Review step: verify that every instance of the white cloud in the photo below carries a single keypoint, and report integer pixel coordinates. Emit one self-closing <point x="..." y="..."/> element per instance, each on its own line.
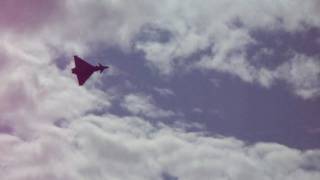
<point x="109" y="147"/>
<point x="223" y="29"/>
<point x="34" y="92"/>
<point x="199" y="25"/>
<point x="303" y="74"/>
<point x="139" y="104"/>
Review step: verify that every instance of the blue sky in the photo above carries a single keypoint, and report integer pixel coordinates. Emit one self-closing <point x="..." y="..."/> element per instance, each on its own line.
<point x="196" y="90"/>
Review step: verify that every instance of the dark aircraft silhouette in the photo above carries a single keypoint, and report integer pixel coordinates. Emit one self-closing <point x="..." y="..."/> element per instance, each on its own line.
<point x="84" y="70"/>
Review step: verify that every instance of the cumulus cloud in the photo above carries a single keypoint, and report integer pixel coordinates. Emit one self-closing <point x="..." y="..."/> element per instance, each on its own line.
<point x="110" y="147"/>
<point x="303" y="74"/>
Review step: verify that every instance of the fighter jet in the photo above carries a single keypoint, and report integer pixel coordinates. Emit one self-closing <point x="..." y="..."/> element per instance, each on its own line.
<point x="84" y="70"/>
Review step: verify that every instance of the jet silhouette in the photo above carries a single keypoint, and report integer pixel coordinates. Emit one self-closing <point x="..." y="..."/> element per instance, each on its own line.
<point x="84" y="70"/>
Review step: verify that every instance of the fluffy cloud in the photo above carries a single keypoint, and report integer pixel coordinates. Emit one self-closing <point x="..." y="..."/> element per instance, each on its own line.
<point x="120" y="148"/>
<point x="34" y="92"/>
<point x="303" y="73"/>
<point x="223" y="30"/>
<point x="224" y="25"/>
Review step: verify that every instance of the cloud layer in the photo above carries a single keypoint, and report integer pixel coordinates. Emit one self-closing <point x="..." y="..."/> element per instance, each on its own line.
<point x="109" y="147"/>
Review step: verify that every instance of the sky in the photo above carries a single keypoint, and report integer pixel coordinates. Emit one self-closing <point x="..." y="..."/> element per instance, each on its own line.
<point x="209" y="89"/>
